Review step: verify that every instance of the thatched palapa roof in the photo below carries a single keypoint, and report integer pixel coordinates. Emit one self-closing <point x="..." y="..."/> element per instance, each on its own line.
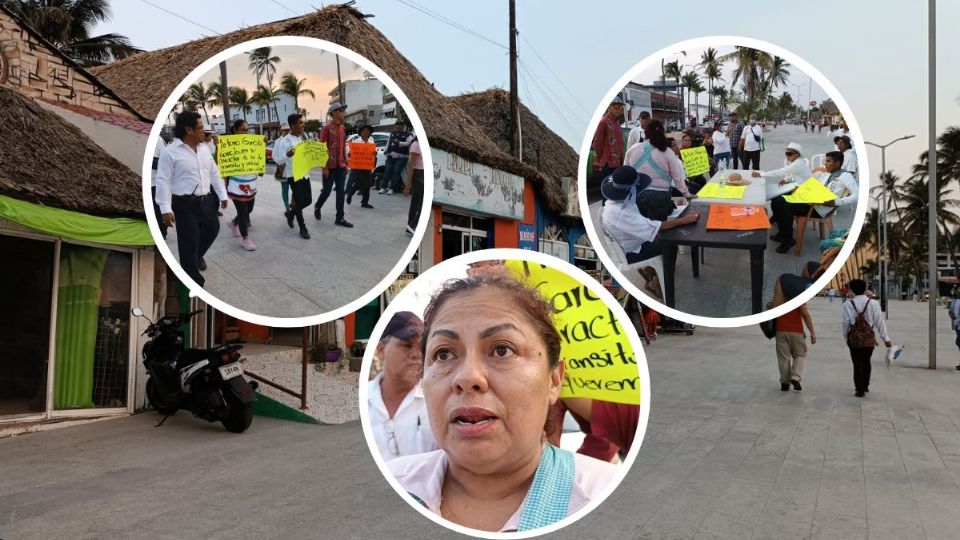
<point x="543" y="149"/>
<point x="145" y="80"/>
<point x="46" y="160"/>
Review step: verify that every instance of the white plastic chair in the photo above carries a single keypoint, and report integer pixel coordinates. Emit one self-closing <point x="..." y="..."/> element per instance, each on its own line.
<point x="620" y="258"/>
<point x="817" y="160"/>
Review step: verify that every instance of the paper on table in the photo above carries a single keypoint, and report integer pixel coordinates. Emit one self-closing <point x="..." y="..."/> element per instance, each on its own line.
<point x="810" y="192"/>
<point x="681" y="204"/>
<point x="737" y="218"/>
<point x="774" y="189"/>
<point x="713" y="190"/>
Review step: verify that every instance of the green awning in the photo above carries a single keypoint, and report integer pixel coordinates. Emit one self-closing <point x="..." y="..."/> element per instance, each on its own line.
<point x="76" y="225"/>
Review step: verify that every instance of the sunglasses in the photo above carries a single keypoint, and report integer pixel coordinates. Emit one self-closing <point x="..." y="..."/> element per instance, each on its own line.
<point x="789" y="153"/>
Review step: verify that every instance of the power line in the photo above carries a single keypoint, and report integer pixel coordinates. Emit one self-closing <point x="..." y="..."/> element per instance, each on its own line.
<point x="181" y="17"/>
<point x="284" y="7"/>
<point x="553" y="105"/>
<point x="548" y="88"/>
<point x="451" y="22"/>
<point x="555" y="76"/>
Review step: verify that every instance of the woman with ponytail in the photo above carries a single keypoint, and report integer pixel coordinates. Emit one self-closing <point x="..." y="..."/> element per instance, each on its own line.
<point x="656" y="159"/>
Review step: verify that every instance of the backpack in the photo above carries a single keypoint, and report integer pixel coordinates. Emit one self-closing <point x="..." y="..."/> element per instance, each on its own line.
<point x="861" y="334"/>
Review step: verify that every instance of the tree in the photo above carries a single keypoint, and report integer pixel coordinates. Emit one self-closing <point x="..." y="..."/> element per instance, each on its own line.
<point x="712" y="65"/>
<point x="294" y="87"/>
<point x="722" y="95"/>
<point x="264" y="96"/>
<point x="312" y="126"/>
<point x="673" y="71"/>
<point x="241" y="98"/>
<point x="697" y="88"/>
<point x="67" y="25"/>
<point x="263" y="64"/>
<point x="689" y="79"/>
<point x="752" y="66"/>
<point x="784" y="104"/>
<point x="200" y="94"/>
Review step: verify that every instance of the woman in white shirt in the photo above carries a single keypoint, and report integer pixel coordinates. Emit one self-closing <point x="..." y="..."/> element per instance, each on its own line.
<point x="491" y="372"/>
<point x="721" y="146"/>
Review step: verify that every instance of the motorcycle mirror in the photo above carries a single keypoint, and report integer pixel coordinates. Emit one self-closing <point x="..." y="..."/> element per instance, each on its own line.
<point x="137" y="312"/>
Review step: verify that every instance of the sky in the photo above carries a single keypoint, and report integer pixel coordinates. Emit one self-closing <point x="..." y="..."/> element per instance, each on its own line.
<point x="571" y="53"/>
<point x="318" y="67"/>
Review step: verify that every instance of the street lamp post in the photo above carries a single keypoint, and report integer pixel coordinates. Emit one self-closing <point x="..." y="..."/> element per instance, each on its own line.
<point x="798" y="86"/>
<point x="882" y="241"/>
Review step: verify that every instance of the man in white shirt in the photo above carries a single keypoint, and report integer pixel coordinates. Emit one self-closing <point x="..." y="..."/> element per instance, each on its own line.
<point x="398" y="410"/>
<point x="850" y="162"/>
<point x="635" y="233"/>
<point x="795" y="168"/>
<point x="860" y="353"/>
<point x="839" y="181"/>
<point x="637" y="134"/>
<point x="302" y="193"/>
<point x="750" y="145"/>
<point x="189" y="189"/>
<point x="157" y="150"/>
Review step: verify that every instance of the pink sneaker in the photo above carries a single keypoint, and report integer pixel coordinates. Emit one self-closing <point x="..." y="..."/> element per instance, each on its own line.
<point x="248" y="244"/>
<point x="234" y="228"/>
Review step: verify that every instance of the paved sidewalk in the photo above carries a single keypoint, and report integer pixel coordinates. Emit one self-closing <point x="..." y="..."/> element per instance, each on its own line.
<point x="288" y="276"/>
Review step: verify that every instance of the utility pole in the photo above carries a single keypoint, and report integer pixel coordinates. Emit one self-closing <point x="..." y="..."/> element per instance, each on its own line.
<point x="932" y="183"/>
<point x="224" y="98"/>
<point x="516" y="147"/>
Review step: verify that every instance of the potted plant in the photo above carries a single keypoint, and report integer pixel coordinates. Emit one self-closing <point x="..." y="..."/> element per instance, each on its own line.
<point x="357" y="348"/>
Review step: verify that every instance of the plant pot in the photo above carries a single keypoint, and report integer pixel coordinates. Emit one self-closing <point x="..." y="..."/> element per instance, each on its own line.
<point x="333" y="356"/>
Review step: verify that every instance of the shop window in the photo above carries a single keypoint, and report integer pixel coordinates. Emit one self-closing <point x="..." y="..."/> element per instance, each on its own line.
<point x="463" y="234"/>
<point x="585" y="257"/>
<point x="553" y="241"/>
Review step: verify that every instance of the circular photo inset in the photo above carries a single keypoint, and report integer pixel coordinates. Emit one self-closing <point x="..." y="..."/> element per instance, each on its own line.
<point x="295" y="193"/>
<point x="721" y="179"/>
<point x="507" y="393"/>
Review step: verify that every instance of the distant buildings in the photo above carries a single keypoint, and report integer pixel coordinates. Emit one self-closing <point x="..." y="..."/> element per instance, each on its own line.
<point x="368" y="101"/>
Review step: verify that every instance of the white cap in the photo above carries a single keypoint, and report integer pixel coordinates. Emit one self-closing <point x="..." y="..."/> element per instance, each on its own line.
<point x="795" y="147"/>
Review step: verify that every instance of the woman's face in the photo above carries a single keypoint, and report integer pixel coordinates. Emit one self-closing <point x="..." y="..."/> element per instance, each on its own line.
<point x="487" y="382"/>
<point x="686" y="142"/>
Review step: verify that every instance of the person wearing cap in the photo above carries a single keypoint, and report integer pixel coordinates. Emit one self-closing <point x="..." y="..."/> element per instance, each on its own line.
<point x="736" y="132"/>
<point x="636" y="134"/>
<point x="607" y="143"/>
<point x="839" y="181"/>
<point x="397" y="408"/>
<point x="398" y="152"/>
<point x="361" y="179"/>
<point x="283" y="151"/>
<point x="335" y="172"/>
<point x="621" y="218"/>
<point x="795" y="168"/>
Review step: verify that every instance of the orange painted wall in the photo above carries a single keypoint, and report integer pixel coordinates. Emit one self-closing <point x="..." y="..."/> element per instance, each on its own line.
<point x="252" y="332"/>
<point x="437" y="234"/>
<point x="349" y="328"/>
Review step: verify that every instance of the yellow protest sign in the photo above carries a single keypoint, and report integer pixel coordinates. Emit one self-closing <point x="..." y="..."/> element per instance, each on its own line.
<point x="695" y="160"/>
<point x="810" y="192"/>
<point x="306" y="156"/>
<point x="599" y="360"/>
<point x="363" y="156"/>
<point x="713" y="190"/>
<point x="241" y="154"/>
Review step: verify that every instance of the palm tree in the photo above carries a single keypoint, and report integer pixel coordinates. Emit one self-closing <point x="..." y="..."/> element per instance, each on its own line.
<point x="752" y="65"/>
<point x="712" y="65"/>
<point x="264" y="96"/>
<point x="777" y="73"/>
<point x="67" y="25"/>
<point x="697" y="88"/>
<point x="722" y="95"/>
<point x="201" y="95"/>
<point x="784" y="103"/>
<point x="241" y="98"/>
<point x="294" y="87"/>
<point x="914" y="196"/>
<point x="262" y="64"/>
<point x="689" y="79"/>
<point x="673" y="71"/>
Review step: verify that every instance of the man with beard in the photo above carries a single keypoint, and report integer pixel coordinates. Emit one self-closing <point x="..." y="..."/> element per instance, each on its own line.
<point x="398" y="410"/>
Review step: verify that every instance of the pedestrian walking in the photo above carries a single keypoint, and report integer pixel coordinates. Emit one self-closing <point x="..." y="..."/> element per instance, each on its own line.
<point x="157" y="150"/>
<point x="831" y="292"/>
<point x="736" y="132"/>
<point x="398" y="152"/>
<point x="792" y="346"/>
<point x="242" y="190"/>
<point x="189" y="193"/>
<point x="751" y="143"/>
<point x="861" y="322"/>
<point x="284" y="185"/>
<point x="335" y="171"/>
<point x="300" y="190"/>
<point x="361" y="179"/>
<point x="953" y="309"/>
<point x="414" y="186"/>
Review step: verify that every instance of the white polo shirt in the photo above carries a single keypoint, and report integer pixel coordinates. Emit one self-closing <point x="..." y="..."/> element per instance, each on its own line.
<point x="628" y="226"/>
<point x="409" y="425"/>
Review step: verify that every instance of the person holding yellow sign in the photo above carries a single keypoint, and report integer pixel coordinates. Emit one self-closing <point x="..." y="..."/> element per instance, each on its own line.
<point x="242" y="188"/>
<point x="839" y="182"/>
<point x="283" y="151"/>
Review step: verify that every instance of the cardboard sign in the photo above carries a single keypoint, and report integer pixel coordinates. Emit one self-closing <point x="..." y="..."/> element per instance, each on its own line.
<point x="363" y="156"/>
<point x="306" y="156"/>
<point x="737" y="218"/>
<point x="810" y="192"/>
<point x="695" y="160"/>
<point x="713" y="190"/>
<point x="241" y="154"/>
<point x="599" y="361"/>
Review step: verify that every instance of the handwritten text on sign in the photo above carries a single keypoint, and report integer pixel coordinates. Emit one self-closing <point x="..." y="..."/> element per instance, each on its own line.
<point x="597" y="355"/>
<point x="306" y="156"/>
<point x="810" y="192"/>
<point x="695" y="160"/>
<point x="241" y="154"/>
<point x="363" y="156"/>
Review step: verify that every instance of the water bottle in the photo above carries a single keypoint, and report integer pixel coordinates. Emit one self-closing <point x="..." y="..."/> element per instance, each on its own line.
<point x="722" y="173"/>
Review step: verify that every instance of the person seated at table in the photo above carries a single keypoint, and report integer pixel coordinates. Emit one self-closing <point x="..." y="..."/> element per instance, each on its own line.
<point x="655" y="159"/>
<point x="635" y="233"/>
<point x="696" y="182"/>
<point x="839" y="181"/>
<point x="491" y="372"/>
<point x="795" y="168"/>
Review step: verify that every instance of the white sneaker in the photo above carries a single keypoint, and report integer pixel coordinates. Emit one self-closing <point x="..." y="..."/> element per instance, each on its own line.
<point x="410" y="230"/>
<point x="382" y="191"/>
<point x="234" y="228"/>
<point x="389" y="192"/>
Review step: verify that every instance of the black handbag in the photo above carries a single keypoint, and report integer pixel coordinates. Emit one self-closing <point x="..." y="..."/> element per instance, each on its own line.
<point x="769" y="328"/>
